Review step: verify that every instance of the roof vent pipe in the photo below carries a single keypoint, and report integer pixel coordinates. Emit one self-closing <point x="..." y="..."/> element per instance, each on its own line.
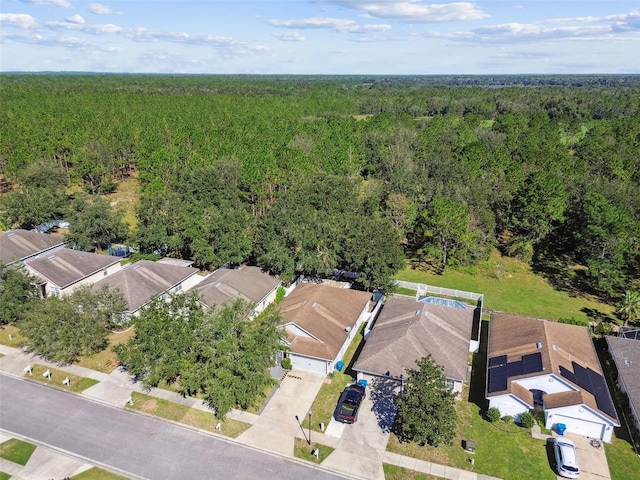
<point x="539" y="345"/>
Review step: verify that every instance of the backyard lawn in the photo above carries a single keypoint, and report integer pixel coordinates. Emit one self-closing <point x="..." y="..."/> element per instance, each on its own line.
<point x="510" y="286"/>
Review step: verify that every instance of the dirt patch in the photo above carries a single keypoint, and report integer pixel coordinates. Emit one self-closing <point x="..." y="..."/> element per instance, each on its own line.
<point x="149" y="406"/>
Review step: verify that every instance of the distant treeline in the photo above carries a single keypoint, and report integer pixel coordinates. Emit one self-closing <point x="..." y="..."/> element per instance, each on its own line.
<point x="308" y="174"/>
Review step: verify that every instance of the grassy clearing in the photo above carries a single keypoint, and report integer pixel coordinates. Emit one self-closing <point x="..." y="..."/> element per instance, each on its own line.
<point x="510" y="286"/>
<point x="16" y="451"/>
<point x="302" y="449"/>
<point x="11" y="337"/>
<point x="126" y="197"/>
<point x="186" y="415"/>
<point x="96" y="473"/>
<point x="77" y="384"/>
<point x="106" y="361"/>
<point x="394" y="472"/>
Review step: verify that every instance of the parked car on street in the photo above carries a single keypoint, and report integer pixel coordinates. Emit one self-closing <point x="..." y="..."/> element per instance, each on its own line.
<point x="349" y="403"/>
<point x="566" y="458"/>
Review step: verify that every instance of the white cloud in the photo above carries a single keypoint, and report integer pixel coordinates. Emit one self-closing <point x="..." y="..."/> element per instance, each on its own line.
<point x="20" y="20"/>
<point x="76" y="19"/>
<point x="100" y="9"/>
<point x="289" y="37"/>
<point x="94" y="28"/>
<point x="336" y="24"/>
<point x="56" y="3"/>
<point x="415" y="11"/>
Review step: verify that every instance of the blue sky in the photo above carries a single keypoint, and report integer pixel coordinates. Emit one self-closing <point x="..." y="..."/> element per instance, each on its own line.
<point x="400" y="37"/>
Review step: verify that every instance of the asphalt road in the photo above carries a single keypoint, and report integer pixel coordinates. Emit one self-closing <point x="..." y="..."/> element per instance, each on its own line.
<point x="134" y="443"/>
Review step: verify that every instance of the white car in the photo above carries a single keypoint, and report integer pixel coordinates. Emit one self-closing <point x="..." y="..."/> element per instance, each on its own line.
<point x="566" y="458"/>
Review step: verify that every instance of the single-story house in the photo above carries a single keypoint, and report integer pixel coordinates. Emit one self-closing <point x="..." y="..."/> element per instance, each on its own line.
<point x="249" y="283"/>
<point x="320" y="320"/>
<point x="144" y="280"/>
<point x="63" y="270"/>
<point x="626" y="356"/>
<point x="535" y="364"/>
<point x="407" y="330"/>
<point x="19" y="245"/>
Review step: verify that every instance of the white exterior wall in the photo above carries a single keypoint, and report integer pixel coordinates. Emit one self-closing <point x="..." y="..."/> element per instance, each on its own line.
<point x="53" y="289"/>
<point x="191" y="282"/>
<point x="265" y="302"/>
<point x="580" y="420"/>
<point x="509" y="405"/>
<point x="547" y="383"/>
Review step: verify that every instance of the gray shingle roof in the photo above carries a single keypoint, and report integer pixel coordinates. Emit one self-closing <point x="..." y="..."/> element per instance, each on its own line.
<point x="16" y="245"/>
<point x="143" y="280"/>
<point x="65" y="267"/>
<point x="324" y="312"/>
<point x="626" y="355"/>
<point x="406" y="331"/>
<point x="248" y="283"/>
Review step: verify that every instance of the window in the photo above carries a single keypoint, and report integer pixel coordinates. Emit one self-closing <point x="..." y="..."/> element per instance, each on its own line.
<point x="178" y="288"/>
<point x="450" y="384"/>
<point x="104" y="272"/>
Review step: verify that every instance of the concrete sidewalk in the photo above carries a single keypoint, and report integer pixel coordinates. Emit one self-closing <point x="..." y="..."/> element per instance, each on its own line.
<point x="356" y="454"/>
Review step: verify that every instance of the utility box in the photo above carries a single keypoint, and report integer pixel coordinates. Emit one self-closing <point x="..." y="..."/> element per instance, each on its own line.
<point x="469" y="445"/>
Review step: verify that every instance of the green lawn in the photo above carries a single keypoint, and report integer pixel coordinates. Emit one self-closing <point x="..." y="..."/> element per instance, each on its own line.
<point x="183" y="414"/>
<point x="106" y="361"/>
<point x="623" y="461"/>
<point x="393" y="472"/>
<point x="16" y="451"/>
<point x="10" y="336"/>
<point x="96" y="473"/>
<point x="303" y="450"/>
<point x="4" y="476"/>
<point x="77" y="384"/>
<point x="510" y="286"/>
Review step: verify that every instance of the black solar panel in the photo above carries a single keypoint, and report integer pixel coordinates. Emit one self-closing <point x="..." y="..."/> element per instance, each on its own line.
<point x="532" y="362"/>
<point x="495" y="361"/>
<point x="515" y="368"/>
<point x="497" y="379"/>
<point x="594" y="383"/>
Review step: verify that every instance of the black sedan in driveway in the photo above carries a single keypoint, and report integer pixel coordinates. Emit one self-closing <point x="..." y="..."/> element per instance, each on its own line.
<point x="349" y="403"/>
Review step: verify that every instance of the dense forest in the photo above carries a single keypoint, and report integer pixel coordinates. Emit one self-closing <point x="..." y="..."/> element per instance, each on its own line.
<point x="360" y="174"/>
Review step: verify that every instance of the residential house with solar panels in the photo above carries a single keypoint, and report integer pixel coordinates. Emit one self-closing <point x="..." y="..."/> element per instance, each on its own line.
<point x="535" y="364"/>
<point x="18" y="245"/>
<point x="408" y="329"/>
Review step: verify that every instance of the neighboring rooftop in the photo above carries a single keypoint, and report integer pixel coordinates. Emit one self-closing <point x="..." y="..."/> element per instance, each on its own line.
<point x="178" y="262"/>
<point x="64" y="266"/>
<point x="407" y="330"/>
<point x="225" y="284"/>
<point x="626" y="355"/>
<point x="317" y="317"/>
<point x="17" y="245"/>
<point x="521" y="347"/>
<point x="143" y="280"/>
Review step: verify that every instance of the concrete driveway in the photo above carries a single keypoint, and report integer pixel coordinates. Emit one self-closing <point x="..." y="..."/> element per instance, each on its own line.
<point x="592" y="459"/>
<point x="361" y="446"/>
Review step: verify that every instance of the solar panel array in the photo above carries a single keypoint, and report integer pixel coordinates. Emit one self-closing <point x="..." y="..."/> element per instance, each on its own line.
<point x="500" y="370"/>
<point x="592" y="382"/>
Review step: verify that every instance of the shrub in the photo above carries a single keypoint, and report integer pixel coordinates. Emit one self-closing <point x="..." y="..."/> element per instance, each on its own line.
<point x="507" y="419"/>
<point x="527" y="420"/>
<point x="280" y="293"/>
<point x="493" y="414"/>
<point x="286" y="363"/>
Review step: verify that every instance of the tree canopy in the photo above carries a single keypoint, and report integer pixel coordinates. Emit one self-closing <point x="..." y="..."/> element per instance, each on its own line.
<point x="218" y="354"/>
<point x="426" y="409"/>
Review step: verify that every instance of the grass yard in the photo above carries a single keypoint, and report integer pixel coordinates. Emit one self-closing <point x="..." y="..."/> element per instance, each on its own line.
<point x="77" y="384"/>
<point x="4" y="476"/>
<point x="394" y="472"/>
<point x="510" y="286"/>
<point x="16" y="451"/>
<point x="302" y="449"/>
<point x="623" y="461"/>
<point x="11" y="337"/>
<point x="126" y="198"/>
<point x="187" y="415"/>
<point x="96" y="473"/>
<point x="106" y="361"/>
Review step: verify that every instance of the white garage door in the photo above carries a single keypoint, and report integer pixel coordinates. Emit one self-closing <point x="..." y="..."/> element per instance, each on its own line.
<point x="310" y="364"/>
<point x="581" y="427"/>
